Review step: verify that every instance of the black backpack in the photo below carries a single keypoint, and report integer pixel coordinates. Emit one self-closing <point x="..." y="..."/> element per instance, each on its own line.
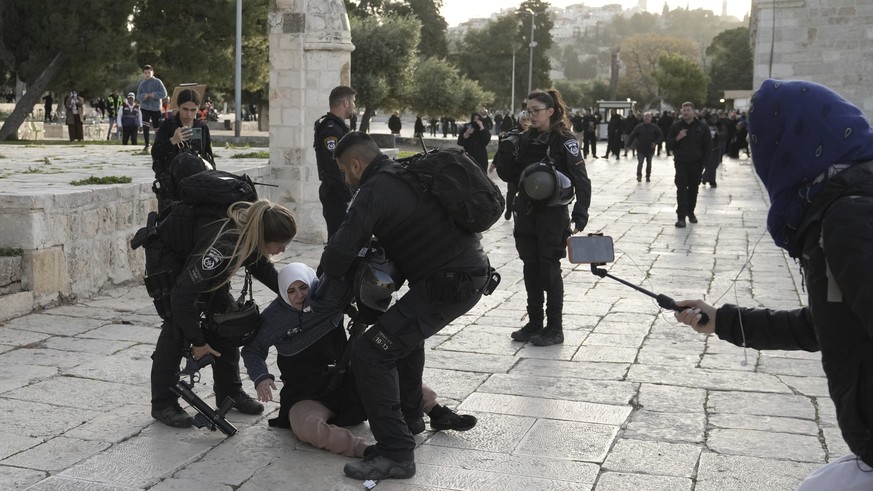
<point x="216" y="189"/>
<point x="469" y="196"/>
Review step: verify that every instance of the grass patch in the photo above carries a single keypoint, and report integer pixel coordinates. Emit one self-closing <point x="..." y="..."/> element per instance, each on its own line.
<point x="231" y="146"/>
<point x="102" y="180"/>
<point x="257" y="154"/>
<point x="32" y="170"/>
<point x="10" y="251"/>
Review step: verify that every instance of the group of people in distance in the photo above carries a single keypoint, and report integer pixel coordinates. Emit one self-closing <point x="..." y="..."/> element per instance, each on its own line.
<point x="811" y="148"/>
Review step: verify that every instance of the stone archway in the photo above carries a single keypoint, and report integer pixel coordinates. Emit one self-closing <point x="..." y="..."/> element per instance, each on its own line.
<point x="310" y="54"/>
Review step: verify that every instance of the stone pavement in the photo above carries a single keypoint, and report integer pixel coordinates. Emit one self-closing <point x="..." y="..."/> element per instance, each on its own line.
<point x="630" y="401"/>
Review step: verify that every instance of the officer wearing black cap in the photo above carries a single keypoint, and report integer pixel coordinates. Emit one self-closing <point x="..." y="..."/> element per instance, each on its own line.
<point x="329" y="129"/>
<point x="447" y="272"/>
<point x="546" y="163"/>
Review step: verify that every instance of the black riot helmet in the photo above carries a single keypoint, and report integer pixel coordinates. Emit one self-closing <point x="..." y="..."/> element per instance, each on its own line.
<point x="375" y="280"/>
<point x="545" y="185"/>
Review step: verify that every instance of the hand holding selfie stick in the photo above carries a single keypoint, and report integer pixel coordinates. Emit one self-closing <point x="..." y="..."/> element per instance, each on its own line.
<point x="664" y="301"/>
<point x="597" y="249"/>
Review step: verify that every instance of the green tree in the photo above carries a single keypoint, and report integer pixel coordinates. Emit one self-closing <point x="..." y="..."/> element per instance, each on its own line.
<point x="680" y="80"/>
<point x="640" y="56"/>
<point x="731" y="62"/>
<point x="578" y="94"/>
<point x="433" y="40"/>
<point x="485" y="55"/>
<point x="196" y="42"/>
<point x="440" y="89"/>
<point x="383" y="62"/>
<point x="61" y="46"/>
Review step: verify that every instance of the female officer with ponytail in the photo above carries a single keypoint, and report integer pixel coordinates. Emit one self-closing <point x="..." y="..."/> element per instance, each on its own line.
<point x="546" y="163"/>
<point x="204" y="252"/>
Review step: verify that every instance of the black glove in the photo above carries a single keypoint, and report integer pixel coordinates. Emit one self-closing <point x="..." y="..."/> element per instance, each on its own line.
<point x="579" y="223"/>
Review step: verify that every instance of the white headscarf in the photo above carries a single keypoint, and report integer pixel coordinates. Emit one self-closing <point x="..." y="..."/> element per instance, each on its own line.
<point x="291" y="273"/>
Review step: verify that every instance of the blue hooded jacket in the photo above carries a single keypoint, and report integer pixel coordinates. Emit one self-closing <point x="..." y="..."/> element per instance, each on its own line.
<point x="802" y="133"/>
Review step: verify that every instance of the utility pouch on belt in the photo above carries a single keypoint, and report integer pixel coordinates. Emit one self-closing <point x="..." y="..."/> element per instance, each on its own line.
<point x="159" y="285"/>
<point x="459" y="286"/>
<point x="241" y="323"/>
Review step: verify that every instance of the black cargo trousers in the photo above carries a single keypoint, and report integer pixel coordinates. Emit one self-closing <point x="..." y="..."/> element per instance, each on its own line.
<point x="389" y="361"/>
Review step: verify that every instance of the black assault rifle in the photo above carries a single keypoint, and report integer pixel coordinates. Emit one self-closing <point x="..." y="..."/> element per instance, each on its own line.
<point x="206" y="416"/>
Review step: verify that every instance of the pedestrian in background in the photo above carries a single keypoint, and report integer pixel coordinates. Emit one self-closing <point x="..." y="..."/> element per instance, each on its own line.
<point x="474" y="140"/>
<point x="75" y="105"/>
<point x="691" y="144"/>
<point x="129" y="119"/>
<point x="113" y="103"/>
<point x="150" y="93"/>
<point x="644" y="138"/>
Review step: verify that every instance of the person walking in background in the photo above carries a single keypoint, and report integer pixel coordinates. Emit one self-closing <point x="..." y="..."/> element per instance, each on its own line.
<point x="717" y="132"/>
<point x="691" y="144"/>
<point x="129" y="119"/>
<point x="150" y="93"/>
<point x="628" y="125"/>
<point x="113" y="102"/>
<point x="665" y="122"/>
<point x="644" y="138"/>
<point x="474" y="140"/>
<point x="394" y="123"/>
<point x="48" y="100"/>
<point x="590" y="125"/>
<point x="75" y="105"/>
<point x="419" y="126"/>
<point x="613" y="141"/>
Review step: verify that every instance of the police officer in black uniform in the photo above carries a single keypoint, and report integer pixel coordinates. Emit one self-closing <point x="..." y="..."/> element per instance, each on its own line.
<point x="201" y="253"/>
<point x="691" y="144"/>
<point x="542" y="224"/>
<point x="447" y="271"/>
<point x="329" y="129"/>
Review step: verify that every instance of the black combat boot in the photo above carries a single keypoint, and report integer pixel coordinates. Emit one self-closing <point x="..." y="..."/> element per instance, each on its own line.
<point x="552" y="334"/>
<point x="530" y="329"/>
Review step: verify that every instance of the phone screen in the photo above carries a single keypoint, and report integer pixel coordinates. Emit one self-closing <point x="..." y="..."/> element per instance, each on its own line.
<point x="597" y="249"/>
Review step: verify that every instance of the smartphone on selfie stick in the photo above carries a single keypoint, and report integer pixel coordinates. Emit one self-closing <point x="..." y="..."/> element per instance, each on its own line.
<point x="597" y="250"/>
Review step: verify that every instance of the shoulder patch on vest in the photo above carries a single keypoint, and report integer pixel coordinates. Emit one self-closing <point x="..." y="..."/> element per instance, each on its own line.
<point x="572" y="146"/>
<point x="211" y="259"/>
<point x="330" y="143"/>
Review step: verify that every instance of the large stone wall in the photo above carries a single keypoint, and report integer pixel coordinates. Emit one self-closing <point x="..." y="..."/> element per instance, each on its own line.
<point x="825" y="41"/>
<point x="76" y="242"/>
<point x="310" y="46"/>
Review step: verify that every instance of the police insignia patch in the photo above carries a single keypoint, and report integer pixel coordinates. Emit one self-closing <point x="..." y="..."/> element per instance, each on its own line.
<point x="330" y="143"/>
<point x="572" y="147"/>
<point x="211" y="260"/>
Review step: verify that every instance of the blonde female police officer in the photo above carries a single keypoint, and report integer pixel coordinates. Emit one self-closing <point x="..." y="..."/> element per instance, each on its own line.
<point x="547" y="150"/>
<point x="204" y="254"/>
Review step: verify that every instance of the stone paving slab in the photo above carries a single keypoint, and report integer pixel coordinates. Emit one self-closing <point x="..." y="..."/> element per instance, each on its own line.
<point x="631" y="401"/>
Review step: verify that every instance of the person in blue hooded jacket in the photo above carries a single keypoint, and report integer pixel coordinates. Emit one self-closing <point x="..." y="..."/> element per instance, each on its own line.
<point x="308" y="344"/>
<point x="813" y="150"/>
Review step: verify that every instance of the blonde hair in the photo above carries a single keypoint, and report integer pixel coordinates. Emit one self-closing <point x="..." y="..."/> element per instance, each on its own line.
<point x="254" y="225"/>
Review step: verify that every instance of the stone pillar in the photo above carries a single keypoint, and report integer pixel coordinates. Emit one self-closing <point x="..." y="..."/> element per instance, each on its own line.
<point x="310" y="54"/>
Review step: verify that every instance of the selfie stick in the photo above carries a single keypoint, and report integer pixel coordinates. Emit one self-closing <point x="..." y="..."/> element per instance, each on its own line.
<point x="664" y="301"/>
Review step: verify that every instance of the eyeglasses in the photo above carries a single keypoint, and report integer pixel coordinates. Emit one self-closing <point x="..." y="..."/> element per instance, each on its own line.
<point x="533" y="111"/>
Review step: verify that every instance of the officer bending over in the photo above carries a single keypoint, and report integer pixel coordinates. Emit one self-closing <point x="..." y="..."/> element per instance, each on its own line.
<point x="447" y="271"/>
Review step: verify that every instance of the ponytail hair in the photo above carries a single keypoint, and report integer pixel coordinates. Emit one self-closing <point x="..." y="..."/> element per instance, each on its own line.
<point x="560" y="122"/>
<point x="254" y="225"/>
